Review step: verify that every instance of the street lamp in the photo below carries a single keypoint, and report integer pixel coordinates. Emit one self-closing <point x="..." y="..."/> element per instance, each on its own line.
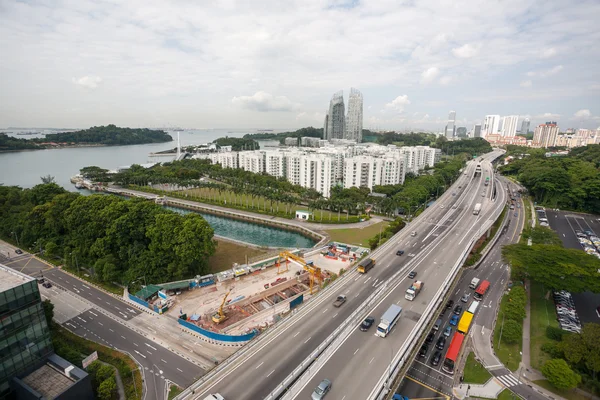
<point x="76" y="262"/>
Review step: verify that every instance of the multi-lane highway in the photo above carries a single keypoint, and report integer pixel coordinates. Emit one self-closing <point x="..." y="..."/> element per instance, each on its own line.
<point x="263" y="368"/>
<point x="358" y="365"/>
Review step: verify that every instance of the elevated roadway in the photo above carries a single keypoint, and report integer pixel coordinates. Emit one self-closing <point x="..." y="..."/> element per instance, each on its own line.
<point x="278" y="353"/>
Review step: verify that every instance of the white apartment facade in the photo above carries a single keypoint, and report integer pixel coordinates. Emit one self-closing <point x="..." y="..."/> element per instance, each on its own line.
<point x="253" y="161"/>
<point x="227" y="160"/>
<point x="490" y="125"/>
<point x="545" y="135"/>
<point x="509" y="125"/>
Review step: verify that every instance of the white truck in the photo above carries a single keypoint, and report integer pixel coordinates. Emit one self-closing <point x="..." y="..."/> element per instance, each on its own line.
<point x="215" y="396"/>
<point x="477" y="209"/>
<point x="413" y="290"/>
<point x="474" y="283"/>
<point x="388" y="320"/>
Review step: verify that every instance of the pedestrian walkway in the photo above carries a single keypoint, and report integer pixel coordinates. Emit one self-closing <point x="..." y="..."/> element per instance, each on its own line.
<point x="509" y="380"/>
<point x="490" y="390"/>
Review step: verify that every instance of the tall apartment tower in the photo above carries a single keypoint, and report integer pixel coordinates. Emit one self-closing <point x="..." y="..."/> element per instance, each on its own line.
<point x="477" y="130"/>
<point x="525" y="126"/>
<point x="336" y="117"/>
<point x="354" y="119"/>
<point x="490" y="125"/>
<point x="450" y="126"/>
<point x="509" y="125"/>
<point x="545" y="135"/>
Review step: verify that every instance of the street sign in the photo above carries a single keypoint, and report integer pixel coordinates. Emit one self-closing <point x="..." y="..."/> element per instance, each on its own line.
<point x="89" y="359"/>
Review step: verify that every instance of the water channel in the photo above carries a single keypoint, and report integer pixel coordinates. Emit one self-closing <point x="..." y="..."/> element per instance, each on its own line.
<point x="26" y="167"/>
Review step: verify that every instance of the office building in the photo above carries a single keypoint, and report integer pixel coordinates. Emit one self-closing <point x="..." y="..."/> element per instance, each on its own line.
<point x="336" y="118"/>
<point x="509" y="125"/>
<point x="354" y="119"/>
<point x="490" y="125"/>
<point x="28" y="367"/>
<point x="477" y="130"/>
<point x="545" y="135"/>
<point x="450" y="126"/>
<point x="525" y="126"/>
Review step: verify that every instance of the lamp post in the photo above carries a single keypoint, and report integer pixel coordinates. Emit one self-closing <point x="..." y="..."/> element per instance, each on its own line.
<point x="76" y="262"/>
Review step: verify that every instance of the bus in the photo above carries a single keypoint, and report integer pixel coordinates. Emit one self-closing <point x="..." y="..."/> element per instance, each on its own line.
<point x="481" y="290"/>
<point x="465" y="323"/>
<point x="365" y="265"/>
<point x="452" y="353"/>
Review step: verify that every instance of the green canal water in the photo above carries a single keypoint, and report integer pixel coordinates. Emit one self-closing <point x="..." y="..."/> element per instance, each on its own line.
<point x="249" y="232"/>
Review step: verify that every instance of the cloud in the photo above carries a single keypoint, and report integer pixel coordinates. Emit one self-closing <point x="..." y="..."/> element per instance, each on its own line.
<point x="91" y="82"/>
<point x="548" y="53"/>
<point x="445" y="80"/>
<point x="546" y="73"/>
<point x="397" y="105"/>
<point x="465" y="51"/>
<point x="547" y="116"/>
<point x="429" y="74"/>
<point x="264" y="102"/>
<point x="583" y="114"/>
<point x="526" y="84"/>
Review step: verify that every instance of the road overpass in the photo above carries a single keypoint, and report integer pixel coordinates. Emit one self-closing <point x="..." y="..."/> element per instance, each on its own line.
<point x="443" y="231"/>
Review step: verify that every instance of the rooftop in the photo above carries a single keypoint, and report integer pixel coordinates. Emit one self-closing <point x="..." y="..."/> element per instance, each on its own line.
<point x="10" y="278"/>
<point x="48" y="381"/>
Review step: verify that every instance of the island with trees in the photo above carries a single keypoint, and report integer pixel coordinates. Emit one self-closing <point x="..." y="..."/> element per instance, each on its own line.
<point x="109" y="135"/>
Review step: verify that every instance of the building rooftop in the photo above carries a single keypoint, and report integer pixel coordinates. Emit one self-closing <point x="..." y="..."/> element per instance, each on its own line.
<point x="48" y="381"/>
<point x="10" y="278"/>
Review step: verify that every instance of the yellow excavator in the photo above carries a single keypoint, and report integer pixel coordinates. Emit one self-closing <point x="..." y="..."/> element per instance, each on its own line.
<point x="314" y="271"/>
<point x="220" y="316"/>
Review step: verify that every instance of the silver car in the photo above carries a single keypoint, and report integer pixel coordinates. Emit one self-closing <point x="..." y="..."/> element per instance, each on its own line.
<point x="321" y="390"/>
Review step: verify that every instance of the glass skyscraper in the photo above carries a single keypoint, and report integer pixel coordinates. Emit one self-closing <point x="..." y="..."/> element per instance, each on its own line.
<point x="24" y="334"/>
<point x="336" y="118"/>
<point x="354" y="119"/>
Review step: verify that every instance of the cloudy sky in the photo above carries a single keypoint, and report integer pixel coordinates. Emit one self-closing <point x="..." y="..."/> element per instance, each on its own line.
<point x="275" y="64"/>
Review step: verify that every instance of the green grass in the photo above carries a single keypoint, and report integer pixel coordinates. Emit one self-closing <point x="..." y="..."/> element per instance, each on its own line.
<point x="509" y="354"/>
<point x="507" y="395"/>
<point x="474" y="372"/>
<point x="357" y="236"/>
<point x="174" y="391"/>
<point x="542" y="315"/>
<point x="228" y="253"/>
<point x="567" y="394"/>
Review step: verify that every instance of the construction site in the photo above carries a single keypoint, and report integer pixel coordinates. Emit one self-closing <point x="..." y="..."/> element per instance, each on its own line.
<point x="261" y="296"/>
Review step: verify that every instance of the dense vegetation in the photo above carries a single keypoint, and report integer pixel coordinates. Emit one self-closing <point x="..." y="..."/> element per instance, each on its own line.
<point x="568" y="182"/>
<point x="302" y="132"/>
<point x="109" y="135"/>
<point x="118" y="240"/>
<point x="238" y="144"/>
<point x="8" y="143"/>
<point x="408" y="139"/>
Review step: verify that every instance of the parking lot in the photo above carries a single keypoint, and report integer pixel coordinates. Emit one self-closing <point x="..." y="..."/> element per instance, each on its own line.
<point x="566" y="223"/>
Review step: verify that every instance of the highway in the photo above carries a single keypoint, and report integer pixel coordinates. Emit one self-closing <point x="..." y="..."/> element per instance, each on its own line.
<point x="358" y="365"/>
<point x="278" y="355"/>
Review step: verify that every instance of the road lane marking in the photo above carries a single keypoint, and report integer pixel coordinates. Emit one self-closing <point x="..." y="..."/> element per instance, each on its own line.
<point x="270" y="373"/>
<point x="371" y="360"/>
<point x="356" y="351"/>
<point x="163" y="360"/>
<point x="153" y="348"/>
<point x="140" y="353"/>
<point x="259" y="365"/>
<point x="94" y="314"/>
<point x="125" y="315"/>
<point x="110" y="330"/>
<point x="117" y="308"/>
<point x="179" y="370"/>
<point x="131" y="311"/>
<point x="324" y="311"/>
<point x="106" y="302"/>
<point x="148" y="351"/>
<point x="82" y="319"/>
<point x="335" y="315"/>
<point x="123" y="337"/>
<point x="87" y="287"/>
<point x="297" y="333"/>
<point x="100" y="323"/>
<point x="136" y="345"/>
<point x="306" y="341"/>
<point x="68" y="323"/>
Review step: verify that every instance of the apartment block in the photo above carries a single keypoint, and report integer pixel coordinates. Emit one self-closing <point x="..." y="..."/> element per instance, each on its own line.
<point x="253" y="161"/>
<point x="227" y="160"/>
<point x="545" y="135"/>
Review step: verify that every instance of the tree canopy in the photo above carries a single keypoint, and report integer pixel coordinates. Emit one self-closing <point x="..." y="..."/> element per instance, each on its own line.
<point x="9" y="143"/>
<point x="109" y="135"/>
<point x="237" y="144"/>
<point x="302" y="132"/>
<point x="119" y="240"/>
<point x="559" y="374"/>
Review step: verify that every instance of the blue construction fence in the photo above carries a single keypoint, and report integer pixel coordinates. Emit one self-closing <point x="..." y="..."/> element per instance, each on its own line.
<point x="217" y="336"/>
<point x="296" y="302"/>
<point x="155" y="308"/>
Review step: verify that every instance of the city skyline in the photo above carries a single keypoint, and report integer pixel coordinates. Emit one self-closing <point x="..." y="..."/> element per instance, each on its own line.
<point x="181" y="64"/>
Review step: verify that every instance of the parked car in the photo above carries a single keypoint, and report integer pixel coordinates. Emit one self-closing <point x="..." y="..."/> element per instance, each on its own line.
<point x="448" y="331"/>
<point x="437" y="356"/>
<point x="449" y="304"/>
<point x="430" y="337"/>
<point x="367" y="323"/>
<point x="465" y="297"/>
<point x="441" y="343"/>
<point x="321" y="390"/>
<point x="423" y="351"/>
<point x="47" y="285"/>
<point x="458" y="309"/>
<point x="18" y="251"/>
<point x="454" y="320"/>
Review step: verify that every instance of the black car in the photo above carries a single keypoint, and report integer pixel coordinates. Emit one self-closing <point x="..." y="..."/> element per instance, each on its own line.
<point x="441" y="343"/>
<point x="412" y="274"/>
<point x="47" y="285"/>
<point x="399" y="252"/>
<point x="18" y="251"/>
<point x="449" y="304"/>
<point x="423" y="351"/>
<point x="442" y="313"/>
<point x="430" y="337"/>
<point x="367" y="323"/>
<point x="458" y="309"/>
<point x="437" y="356"/>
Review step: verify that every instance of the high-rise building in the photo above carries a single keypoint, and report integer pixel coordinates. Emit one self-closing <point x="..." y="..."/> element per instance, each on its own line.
<point x="336" y="117"/>
<point x="461" y="131"/>
<point x="450" y="126"/>
<point x="509" y="125"/>
<point x="545" y="135"/>
<point x="477" y="130"/>
<point x="354" y="119"/>
<point x="490" y="125"/>
<point x="325" y="123"/>
<point x="525" y="126"/>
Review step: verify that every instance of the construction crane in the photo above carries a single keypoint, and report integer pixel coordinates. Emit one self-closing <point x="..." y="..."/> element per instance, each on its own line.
<point x="315" y="272"/>
<point x="220" y="316"/>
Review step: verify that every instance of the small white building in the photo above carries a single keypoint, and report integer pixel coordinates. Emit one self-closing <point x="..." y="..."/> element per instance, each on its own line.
<point x="303" y="215"/>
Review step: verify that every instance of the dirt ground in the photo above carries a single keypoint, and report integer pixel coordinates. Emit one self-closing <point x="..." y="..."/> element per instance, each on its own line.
<point x="228" y="253"/>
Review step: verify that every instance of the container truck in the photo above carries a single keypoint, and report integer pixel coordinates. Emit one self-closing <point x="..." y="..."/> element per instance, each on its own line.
<point x="477" y="209"/>
<point x="388" y="320"/>
<point x="413" y="290"/>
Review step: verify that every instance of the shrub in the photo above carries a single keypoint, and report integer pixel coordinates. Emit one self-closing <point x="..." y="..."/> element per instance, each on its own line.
<point x="512" y="332"/>
<point x="560" y="375"/>
<point x="554" y="333"/>
<point x="553" y="349"/>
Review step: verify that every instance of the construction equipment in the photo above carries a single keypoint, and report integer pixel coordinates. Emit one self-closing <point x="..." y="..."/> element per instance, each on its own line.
<point x="220" y="316"/>
<point x="314" y="271"/>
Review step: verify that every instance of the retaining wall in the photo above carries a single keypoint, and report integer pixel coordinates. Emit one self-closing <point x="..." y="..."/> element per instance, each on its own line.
<point x="219" y="337"/>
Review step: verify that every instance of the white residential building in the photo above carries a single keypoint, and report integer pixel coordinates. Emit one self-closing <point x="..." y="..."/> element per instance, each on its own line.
<point x="545" y="135"/>
<point x="490" y="125"/>
<point x="227" y="160"/>
<point x="275" y="163"/>
<point x="419" y="157"/>
<point x="509" y="125"/>
<point x="253" y="161"/>
<point x="316" y="172"/>
<point x="292" y="167"/>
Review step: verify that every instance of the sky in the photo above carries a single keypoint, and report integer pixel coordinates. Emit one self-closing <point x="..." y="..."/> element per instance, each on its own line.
<point x="265" y="64"/>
